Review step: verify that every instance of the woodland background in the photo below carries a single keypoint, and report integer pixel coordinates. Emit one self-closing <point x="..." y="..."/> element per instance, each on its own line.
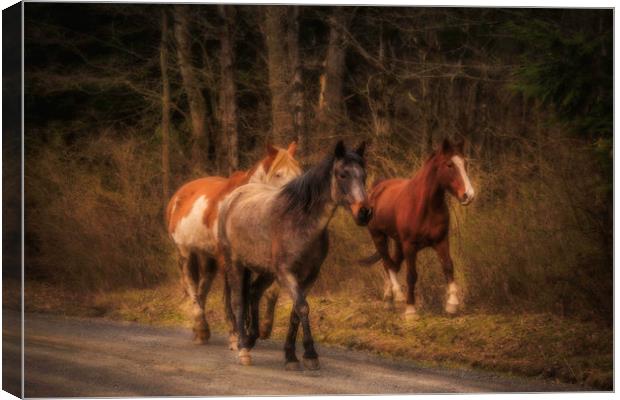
<point x="124" y="103"/>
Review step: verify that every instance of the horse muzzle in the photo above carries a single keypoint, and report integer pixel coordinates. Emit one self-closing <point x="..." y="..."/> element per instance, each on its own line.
<point x="467" y="198"/>
<point x="361" y="213"/>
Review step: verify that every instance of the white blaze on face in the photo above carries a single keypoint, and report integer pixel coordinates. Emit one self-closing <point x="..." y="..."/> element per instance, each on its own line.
<point x="358" y="190"/>
<point x="281" y="177"/>
<point x="460" y="165"/>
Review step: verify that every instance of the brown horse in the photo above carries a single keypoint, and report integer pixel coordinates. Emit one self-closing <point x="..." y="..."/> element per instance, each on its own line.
<point x="192" y="215"/>
<point x="414" y="214"/>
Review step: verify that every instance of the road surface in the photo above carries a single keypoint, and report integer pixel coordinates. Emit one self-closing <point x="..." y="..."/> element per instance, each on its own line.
<point x="96" y="357"/>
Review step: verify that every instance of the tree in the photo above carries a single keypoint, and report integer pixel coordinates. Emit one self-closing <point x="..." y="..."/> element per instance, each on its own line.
<point x="330" y="106"/>
<point x="298" y="96"/>
<point x="227" y="99"/>
<point x="274" y="29"/>
<point x="165" y="107"/>
<point x="195" y="99"/>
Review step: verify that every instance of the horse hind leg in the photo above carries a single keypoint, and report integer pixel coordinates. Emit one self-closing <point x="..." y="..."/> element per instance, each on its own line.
<point x="190" y="270"/>
<point x="396" y="262"/>
<point x="271" y="298"/>
<point x="207" y="273"/>
<point x="257" y="288"/>
<point x="412" y="277"/>
<point x="392" y="289"/>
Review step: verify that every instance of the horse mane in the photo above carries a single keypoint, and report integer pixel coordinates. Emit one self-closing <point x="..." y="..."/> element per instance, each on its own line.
<point x="424" y="182"/>
<point x="306" y="193"/>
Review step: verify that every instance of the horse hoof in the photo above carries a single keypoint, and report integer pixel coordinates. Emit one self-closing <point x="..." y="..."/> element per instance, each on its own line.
<point x="399" y="297"/>
<point x="451" y="308"/>
<point x="265" y="332"/>
<point x="202" y="337"/>
<point x="292" y="366"/>
<point x="233" y="343"/>
<point x="411" y="314"/>
<point x="244" y="357"/>
<point x="312" y="364"/>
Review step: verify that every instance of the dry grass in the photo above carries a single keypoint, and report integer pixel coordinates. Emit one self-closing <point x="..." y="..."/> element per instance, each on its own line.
<point x="535" y="239"/>
<point x="536" y="345"/>
<point x="532" y="254"/>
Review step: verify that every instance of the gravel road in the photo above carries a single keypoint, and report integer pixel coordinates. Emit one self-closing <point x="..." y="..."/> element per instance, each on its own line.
<point x="96" y="357"/>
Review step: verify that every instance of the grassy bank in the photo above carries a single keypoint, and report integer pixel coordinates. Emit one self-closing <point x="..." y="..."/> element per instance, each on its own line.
<point x="537" y="345"/>
<point x="535" y="240"/>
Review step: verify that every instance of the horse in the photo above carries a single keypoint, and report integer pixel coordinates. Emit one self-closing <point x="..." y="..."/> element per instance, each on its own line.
<point x="414" y="214"/>
<point x="281" y="233"/>
<point x="191" y="219"/>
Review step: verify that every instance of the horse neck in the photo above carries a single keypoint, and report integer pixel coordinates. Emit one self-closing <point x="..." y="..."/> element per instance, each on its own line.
<point x="424" y="189"/>
<point x="239" y="178"/>
<point x="310" y="198"/>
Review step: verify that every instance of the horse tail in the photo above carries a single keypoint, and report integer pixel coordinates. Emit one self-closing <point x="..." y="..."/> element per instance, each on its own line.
<point x="368" y="261"/>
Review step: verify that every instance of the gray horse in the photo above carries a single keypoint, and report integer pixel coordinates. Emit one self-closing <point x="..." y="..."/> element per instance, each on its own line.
<point x="281" y="233"/>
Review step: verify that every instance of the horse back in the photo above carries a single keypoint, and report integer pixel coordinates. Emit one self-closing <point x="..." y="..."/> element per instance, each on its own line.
<point x="210" y="189"/>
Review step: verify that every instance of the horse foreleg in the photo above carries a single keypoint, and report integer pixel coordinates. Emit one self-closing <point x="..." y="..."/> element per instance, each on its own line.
<point x="292" y="363"/>
<point x="302" y="310"/>
<point x="443" y="251"/>
<point x="412" y="277"/>
<point x="238" y="278"/>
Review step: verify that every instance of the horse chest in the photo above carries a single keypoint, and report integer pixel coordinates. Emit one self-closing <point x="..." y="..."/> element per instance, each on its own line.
<point x="424" y="231"/>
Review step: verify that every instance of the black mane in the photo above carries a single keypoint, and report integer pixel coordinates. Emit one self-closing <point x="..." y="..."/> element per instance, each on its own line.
<point x="308" y="193"/>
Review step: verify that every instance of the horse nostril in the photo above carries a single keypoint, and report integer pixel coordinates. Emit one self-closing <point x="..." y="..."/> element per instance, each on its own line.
<point x="365" y="214"/>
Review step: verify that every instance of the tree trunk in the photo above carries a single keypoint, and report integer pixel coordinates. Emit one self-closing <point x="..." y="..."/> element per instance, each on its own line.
<point x="381" y="109"/>
<point x="228" y="102"/>
<point x="282" y="125"/>
<point x="331" y="108"/>
<point x="191" y="86"/>
<point x="298" y="97"/>
<point x="165" y="108"/>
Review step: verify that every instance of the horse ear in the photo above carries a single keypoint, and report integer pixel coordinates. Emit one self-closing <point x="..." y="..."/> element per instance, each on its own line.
<point x="271" y="151"/>
<point x="446" y="147"/>
<point x="361" y="148"/>
<point x="460" y="145"/>
<point x="292" y="148"/>
<point x="340" y="150"/>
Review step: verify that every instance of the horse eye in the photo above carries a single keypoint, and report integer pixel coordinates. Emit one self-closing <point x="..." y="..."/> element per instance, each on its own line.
<point x="450" y="164"/>
<point x="342" y="175"/>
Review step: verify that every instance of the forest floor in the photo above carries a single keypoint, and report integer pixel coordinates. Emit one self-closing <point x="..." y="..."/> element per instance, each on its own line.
<point x="533" y="345"/>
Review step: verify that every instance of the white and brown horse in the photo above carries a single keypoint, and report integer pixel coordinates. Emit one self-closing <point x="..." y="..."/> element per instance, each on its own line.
<point x="282" y="234"/>
<point x="191" y="217"/>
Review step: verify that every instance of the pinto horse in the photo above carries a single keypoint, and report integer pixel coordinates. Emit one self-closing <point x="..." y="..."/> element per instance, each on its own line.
<point x="414" y="214"/>
<point x="282" y="234"/>
<point x="191" y="218"/>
